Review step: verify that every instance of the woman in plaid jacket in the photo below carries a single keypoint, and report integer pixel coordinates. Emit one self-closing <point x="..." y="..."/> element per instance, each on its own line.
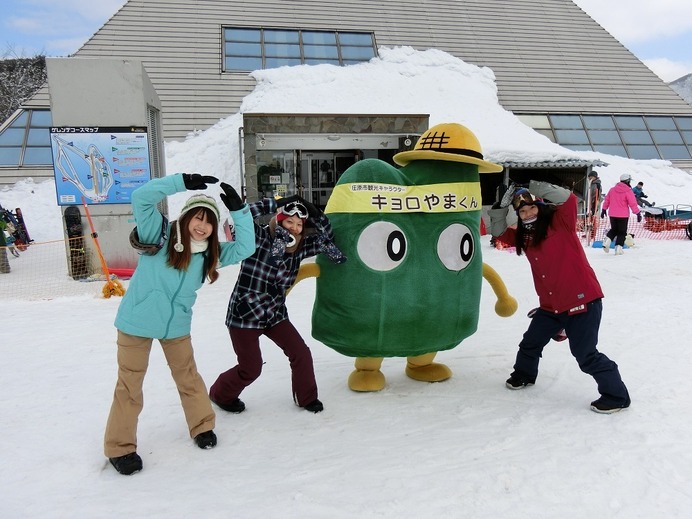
<point x="258" y="303"/>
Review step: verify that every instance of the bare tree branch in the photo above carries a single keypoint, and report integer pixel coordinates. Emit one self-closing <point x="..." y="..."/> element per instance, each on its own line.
<point x="20" y="78"/>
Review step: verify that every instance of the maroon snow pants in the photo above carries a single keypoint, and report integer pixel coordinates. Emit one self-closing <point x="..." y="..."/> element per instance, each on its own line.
<point x="246" y="344"/>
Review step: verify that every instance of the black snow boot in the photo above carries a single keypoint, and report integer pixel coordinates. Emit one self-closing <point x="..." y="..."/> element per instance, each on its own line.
<point x="234" y="406"/>
<point x="206" y="440"/>
<point x="517" y="381"/>
<point x="604" y="407"/>
<point x="127" y="464"/>
<point x="314" y="407"/>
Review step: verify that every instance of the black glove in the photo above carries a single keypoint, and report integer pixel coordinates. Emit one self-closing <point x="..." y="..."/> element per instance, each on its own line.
<point x="230" y="198"/>
<point x="313" y="212"/>
<point x="603" y="213"/>
<point x="639" y="217"/>
<point x="287" y="200"/>
<point x="196" y="181"/>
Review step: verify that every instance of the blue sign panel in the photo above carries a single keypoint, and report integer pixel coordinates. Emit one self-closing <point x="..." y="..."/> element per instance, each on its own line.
<point x="103" y="165"/>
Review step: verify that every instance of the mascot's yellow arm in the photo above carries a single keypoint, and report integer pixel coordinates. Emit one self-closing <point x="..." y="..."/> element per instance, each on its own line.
<point x="308" y="270"/>
<point x="506" y="305"/>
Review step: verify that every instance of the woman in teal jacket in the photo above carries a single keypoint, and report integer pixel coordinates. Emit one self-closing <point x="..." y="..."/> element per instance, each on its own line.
<point x="158" y="305"/>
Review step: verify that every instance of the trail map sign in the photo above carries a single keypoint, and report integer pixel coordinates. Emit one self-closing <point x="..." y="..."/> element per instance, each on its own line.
<point x="102" y="164"/>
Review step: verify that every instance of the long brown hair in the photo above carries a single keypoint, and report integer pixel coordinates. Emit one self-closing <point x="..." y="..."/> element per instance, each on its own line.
<point x="181" y="260"/>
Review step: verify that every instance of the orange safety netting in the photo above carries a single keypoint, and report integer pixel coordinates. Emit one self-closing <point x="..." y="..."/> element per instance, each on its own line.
<point x="651" y="228"/>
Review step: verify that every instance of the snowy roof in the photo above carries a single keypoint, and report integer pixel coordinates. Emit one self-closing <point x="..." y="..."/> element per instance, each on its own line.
<point x="552" y="164"/>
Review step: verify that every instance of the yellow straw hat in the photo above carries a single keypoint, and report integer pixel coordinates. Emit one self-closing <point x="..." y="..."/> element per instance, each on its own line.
<point x="450" y="142"/>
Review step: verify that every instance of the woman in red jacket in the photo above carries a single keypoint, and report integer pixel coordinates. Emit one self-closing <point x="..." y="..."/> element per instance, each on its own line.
<point x="567" y="288"/>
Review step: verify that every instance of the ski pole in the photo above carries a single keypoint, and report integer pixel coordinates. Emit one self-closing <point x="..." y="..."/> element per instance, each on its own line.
<point x="112" y="286"/>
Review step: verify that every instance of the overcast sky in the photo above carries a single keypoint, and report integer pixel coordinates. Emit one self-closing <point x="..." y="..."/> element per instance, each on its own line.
<point x="659" y="33"/>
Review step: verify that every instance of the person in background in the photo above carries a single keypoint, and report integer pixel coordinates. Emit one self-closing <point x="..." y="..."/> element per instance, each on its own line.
<point x="618" y="203"/>
<point x="594" y="202"/>
<point x="258" y="303"/>
<point x="639" y="195"/>
<point x="568" y="291"/>
<point x="177" y="259"/>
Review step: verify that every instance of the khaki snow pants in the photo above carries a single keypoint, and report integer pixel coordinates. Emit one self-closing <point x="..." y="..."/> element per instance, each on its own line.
<point x="128" y="400"/>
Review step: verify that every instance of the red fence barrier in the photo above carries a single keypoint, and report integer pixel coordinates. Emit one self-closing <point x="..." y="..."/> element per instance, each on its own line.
<point x="651" y="228"/>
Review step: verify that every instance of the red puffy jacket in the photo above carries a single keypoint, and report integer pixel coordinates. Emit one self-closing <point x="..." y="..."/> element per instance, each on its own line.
<point x="562" y="276"/>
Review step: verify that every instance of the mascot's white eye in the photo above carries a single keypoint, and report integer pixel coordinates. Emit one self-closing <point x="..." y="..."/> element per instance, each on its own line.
<point x="455" y="246"/>
<point x="382" y="246"/>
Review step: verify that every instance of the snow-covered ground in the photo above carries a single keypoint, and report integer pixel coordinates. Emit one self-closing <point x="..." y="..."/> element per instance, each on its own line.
<point x="467" y="447"/>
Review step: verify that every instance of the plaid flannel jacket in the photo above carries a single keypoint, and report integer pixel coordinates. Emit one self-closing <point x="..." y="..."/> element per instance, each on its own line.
<point x="259" y="297"/>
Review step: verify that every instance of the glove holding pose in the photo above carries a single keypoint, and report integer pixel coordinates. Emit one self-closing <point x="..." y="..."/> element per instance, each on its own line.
<point x="230" y="198"/>
<point x="195" y="181"/>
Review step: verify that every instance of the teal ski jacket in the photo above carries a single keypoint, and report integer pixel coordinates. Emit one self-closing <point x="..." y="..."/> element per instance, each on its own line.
<point x="159" y="299"/>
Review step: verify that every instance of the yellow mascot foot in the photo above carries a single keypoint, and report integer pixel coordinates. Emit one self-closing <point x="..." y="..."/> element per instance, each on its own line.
<point x="366" y="380"/>
<point x="433" y="372"/>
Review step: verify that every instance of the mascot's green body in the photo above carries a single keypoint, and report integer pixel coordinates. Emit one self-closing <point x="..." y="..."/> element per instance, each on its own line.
<point x="412" y="283"/>
<point x="411" y="286"/>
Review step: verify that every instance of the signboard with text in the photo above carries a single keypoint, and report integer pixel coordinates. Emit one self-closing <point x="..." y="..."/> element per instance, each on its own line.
<point x="102" y="164"/>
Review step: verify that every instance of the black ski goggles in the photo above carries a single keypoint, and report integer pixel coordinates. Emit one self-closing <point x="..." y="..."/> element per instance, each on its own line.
<point x="522" y="197"/>
<point x="295" y="209"/>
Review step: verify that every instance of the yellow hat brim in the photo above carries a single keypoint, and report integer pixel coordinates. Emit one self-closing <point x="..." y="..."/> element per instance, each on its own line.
<point x="484" y="166"/>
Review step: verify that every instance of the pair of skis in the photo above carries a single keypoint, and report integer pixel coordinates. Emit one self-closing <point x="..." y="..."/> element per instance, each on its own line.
<point x="16" y="227"/>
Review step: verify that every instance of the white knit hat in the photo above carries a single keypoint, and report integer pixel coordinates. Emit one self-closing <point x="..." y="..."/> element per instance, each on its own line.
<point x="193" y="202"/>
<point x="200" y="201"/>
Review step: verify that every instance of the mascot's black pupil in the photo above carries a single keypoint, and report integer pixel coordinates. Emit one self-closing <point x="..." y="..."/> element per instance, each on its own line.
<point x="466" y="247"/>
<point x="396" y="245"/>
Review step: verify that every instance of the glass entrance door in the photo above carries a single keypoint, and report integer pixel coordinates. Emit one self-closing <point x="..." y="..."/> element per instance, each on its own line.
<point x="320" y="171"/>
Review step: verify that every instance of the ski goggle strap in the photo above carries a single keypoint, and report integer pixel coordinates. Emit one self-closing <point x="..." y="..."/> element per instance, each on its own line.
<point x="149" y="249"/>
<point x="294" y="209"/>
<point x="522" y="197"/>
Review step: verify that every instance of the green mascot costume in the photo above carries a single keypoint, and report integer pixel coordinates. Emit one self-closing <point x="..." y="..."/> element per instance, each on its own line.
<point x="412" y="283"/>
